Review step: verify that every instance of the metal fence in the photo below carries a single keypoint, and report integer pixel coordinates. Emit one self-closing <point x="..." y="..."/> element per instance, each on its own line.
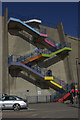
<point x="59" y="45"/>
<point x="46" y="98"/>
<point x="39" y="99"/>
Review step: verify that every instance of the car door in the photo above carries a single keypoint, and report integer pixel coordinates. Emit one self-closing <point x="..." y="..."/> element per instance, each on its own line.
<point x="1" y="103"/>
<point x="8" y="102"/>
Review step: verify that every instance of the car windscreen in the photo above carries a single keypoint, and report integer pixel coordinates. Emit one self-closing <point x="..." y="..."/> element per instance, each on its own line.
<point x="18" y="98"/>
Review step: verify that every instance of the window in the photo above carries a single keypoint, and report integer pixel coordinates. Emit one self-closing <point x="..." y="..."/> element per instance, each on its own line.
<point x="10" y="98"/>
<point x="6" y="98"/>
<point x="3" y="98"/>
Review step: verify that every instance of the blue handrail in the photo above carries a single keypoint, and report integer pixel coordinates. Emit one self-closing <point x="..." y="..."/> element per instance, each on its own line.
<point x="14" y="58"/>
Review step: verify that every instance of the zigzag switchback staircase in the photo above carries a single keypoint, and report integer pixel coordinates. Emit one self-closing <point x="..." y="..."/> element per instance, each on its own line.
<point x="65" y="96"/>
<point x="37" y="73"/>
<point x="17" y="23"/>
<point x="21" y="61"/>
<point x="41" y="55"/>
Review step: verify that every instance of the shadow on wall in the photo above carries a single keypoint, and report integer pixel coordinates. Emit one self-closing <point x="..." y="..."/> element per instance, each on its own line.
<point x="17" y="73"/>
<point x="27" y="37"/>
<point x="43" y="85"/>
<point x="50" y="61"/>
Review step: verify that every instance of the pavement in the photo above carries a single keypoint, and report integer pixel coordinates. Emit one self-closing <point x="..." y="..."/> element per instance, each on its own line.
<point x="44" y="110"/>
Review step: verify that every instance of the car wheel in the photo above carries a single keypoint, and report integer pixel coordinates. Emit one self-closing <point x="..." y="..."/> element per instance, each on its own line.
<point x="16" y="107"/>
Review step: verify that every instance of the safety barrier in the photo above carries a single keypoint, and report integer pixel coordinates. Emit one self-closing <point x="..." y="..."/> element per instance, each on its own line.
<point x="42" y="30"/>
<point x="58" y="45"/>
<point x="39" y="99"/>
<point x="41" y="71"/>
<point x="31" y="55"/>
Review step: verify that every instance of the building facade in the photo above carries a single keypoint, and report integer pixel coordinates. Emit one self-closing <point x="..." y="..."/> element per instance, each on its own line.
<point x="29" y="40"/>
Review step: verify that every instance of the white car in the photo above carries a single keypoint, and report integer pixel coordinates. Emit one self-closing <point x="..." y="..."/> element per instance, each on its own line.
<point x="13" y="102"/>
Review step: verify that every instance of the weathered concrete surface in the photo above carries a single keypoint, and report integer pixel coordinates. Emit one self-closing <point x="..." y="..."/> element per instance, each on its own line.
<point x="0" y="54"/>
<point x="72" y="57"/>
<point x="5" y="80"/>
<point x="64" y="69"/>
<point x="61" y="32"/>
<point x="21" y="43"/>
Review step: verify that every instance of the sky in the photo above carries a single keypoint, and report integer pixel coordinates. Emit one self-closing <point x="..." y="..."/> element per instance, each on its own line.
<point x="50" y="13"/>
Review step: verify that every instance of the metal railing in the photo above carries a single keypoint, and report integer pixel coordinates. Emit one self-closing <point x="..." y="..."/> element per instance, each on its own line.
<point x="13" y="58"/>
<point x="59" y="45"/>
<point x="38" y="69"/>
<point x="30" y="55"/>
<point x="38" y="52"/>
<point x="39" y="99"/>
<point x="42" y="30"/>
<point x="58" y="96"/>
<point x="46" y="98"/>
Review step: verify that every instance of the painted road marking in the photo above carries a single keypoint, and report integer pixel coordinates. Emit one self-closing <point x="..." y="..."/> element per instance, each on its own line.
<point x="35" y="115"/>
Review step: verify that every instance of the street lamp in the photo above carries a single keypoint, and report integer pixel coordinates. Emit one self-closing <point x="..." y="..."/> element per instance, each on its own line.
<point x="77" y="63"/>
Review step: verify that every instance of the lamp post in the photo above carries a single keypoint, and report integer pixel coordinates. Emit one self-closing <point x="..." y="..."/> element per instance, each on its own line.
<point x="77" y="63"/>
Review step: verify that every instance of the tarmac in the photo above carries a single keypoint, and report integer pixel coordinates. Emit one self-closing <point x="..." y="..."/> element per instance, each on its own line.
<point x="45" y="110"/>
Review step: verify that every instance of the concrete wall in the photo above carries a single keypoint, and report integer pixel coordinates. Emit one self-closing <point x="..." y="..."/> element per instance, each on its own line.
<point x="58" y="68"/>
<point x="52" y="33"/>
<point x="20" y="43"/>
<point x="79" y="62"/>
<point x="19" y="82"/>
<point x="72" y="56"/>
<point x="5" y="79"/>
<point x="64" y="69"/>
<point x="61" y="32"/>
<point x="0" y="53"/>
